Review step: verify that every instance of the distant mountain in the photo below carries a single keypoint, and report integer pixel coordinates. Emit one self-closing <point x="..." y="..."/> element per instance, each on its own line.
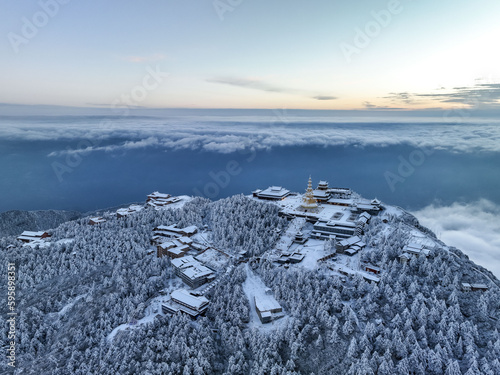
<point x="15" y="222"/>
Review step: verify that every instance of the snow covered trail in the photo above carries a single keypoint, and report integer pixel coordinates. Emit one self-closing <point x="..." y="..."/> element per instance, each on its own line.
<point x="146" y="320"/>
<point x="70" y="305"/>
<point x="252" y="286"/>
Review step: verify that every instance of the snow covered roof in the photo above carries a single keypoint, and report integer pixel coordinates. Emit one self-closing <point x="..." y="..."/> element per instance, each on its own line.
<point x="346" y="270"/>
<point x="274" y="191"/>
<point x="321" y="193"/>
<point x="366" y="215"/>
<point x="184" y="262"/>
<point x="156" y="195"/>
<point x="167" y="245"/>
<point x="416" y="249"/>
<point x="365" y="206"/>
<point x="33" y="234"/>
<point x="297" y="256"/>
<point x="335" y="223"/>
<point x="351" y="241"/>
<point x="197" y="271"/>
<point x="266" y="314"/>
<point x="266" y="302"/>
<point x="362" y="220"/>
<point x="166" y="227"/>
<point x="185" y="240"/>
<point x="184" y="297"/>
<point x="190" y="230"/>
<point x="178" y="250"/>
<point x="347" y="201"/>
<point x="479" y="286"/>
<point x="339" y="190"/>
<point x="136" y="208"/>
<point x="27" y="238"/>
<point x="370" y="277"/>
<point x="351" y="251"/>
<point x="97" y="219"/>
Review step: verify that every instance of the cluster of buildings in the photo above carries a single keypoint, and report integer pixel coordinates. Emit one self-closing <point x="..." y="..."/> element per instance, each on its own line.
<point x="175" y="248"/>
<point x="341" y="225"/>
<point x="30" y="237"/>
<point x="172" y="241"/>
<point x="267" y="308"/>
<point x="323" y="194"/>
<point x="175" y="242"/>
<point x="335" y="213"/>
<point x="157" y="199"/>
<point x="290" y="257"/>
<point x="186" y="302"/>
<point x="350" y="246"/>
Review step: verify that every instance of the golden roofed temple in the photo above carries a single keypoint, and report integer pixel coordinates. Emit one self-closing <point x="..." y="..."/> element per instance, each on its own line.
<point x="308" y="200"/>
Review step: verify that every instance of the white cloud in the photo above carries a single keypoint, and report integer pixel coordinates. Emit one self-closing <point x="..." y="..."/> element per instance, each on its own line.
<point x="235" y="133"/>
<point x="473" y="228"/>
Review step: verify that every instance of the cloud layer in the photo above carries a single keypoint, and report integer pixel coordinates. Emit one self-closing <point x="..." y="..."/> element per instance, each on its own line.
<point x="473" y="228"/>
<point x="230" y="134"/>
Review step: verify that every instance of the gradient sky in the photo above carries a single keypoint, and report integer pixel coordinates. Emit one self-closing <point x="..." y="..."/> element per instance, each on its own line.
<point x="253" y="54"/>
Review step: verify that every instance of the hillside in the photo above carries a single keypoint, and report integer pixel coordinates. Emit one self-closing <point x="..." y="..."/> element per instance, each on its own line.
<point x="15" y="222"/>
<point x="89" y="300"/>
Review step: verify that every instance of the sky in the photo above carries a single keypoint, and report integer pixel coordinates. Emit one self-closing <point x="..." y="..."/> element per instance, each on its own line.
<point x="321" y="54"/>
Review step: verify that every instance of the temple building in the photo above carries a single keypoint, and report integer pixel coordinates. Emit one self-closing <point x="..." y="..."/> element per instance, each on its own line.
<point x="308" y="200"/>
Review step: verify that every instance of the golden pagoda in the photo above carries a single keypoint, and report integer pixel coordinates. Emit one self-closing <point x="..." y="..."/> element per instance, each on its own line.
<point x="308" y="200"/>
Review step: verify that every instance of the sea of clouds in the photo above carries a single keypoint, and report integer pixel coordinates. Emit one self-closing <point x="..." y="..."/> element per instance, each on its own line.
<point x="473" y="228"/>
<point x="227" y="135"/>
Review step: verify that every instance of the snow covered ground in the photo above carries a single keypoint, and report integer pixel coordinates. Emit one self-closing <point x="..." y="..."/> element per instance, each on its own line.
<point x="70" y="305"/>
<point x="313" y="250"/>
<point x="152" y="310"/>
<point x="253" y="286"/>
<point x="286" y="238"/>
<point x="213" y="259"/>
<point x="422" y="239"/>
